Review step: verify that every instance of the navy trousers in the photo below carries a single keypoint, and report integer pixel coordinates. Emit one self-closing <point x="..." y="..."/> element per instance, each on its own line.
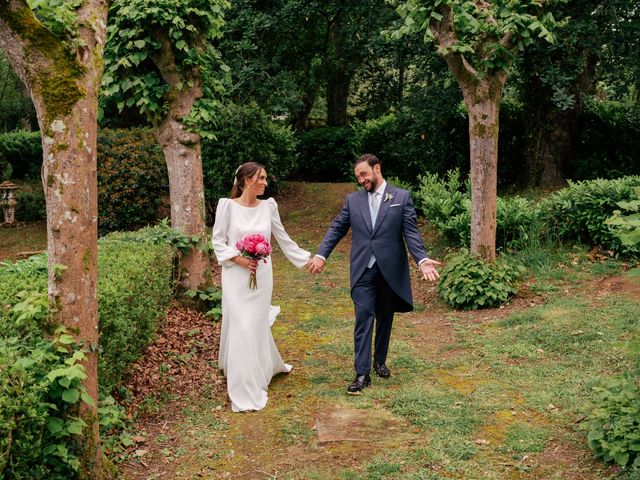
<point x="373" y="300"/>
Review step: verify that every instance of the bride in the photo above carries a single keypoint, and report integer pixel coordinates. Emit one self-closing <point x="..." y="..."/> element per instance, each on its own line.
<point x="248" y="355"/>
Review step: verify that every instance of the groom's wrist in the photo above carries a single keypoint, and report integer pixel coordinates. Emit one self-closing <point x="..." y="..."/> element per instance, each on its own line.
<point x="423" y="260"/>
<point x="320" y="257"/>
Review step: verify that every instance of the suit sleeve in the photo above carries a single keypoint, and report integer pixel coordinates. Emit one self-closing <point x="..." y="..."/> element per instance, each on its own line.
<point x="338" y="229"/>
<point x="411" y="232"/>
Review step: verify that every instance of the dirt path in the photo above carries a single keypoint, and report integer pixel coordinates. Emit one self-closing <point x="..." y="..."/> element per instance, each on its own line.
<point x="448" y="411"/>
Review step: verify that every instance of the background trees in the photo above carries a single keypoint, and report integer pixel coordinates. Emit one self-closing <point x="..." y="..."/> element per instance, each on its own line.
<point x="161" y="61"/>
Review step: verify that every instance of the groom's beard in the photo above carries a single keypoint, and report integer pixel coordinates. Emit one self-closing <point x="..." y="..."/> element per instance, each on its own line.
<point x="373" y="184"/>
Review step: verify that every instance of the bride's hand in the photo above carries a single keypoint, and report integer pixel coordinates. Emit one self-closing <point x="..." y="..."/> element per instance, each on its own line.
<point x="246" y="262"/>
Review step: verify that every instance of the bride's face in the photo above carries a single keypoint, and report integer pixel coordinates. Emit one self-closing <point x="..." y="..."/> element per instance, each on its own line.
<point x="258" y="183"/>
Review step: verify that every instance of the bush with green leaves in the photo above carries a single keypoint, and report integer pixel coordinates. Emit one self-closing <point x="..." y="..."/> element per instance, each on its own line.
<point x="446" y="203"/>
<point x="23" y="150"/>
<point x="609" y="141"/>
<point x="468" y="282"/>
<point x="326" y="154"/>
<point x="41" y="385"/>
<point x="614" y="423"/>
<point x="31" y="204"/>
<point x="578" y="213"/>
<point x="135" y="286"/>
<point x="132" y="179"/>
<point x="627" y="227"/>
<point x="245" y="133"/>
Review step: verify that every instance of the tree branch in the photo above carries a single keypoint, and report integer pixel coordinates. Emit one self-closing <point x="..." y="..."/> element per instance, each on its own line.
<point x="445" y="35"/>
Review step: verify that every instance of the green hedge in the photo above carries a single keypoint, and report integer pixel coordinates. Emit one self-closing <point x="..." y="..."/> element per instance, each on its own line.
<point x="132" y="179"/>
<point x="23" y="150"/>
<point x="245" y="133"/>
<point x="326" y="154"/>
<point x="134" y="289"/>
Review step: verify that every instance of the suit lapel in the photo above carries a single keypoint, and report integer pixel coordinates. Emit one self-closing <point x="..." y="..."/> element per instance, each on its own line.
<point x="384" y="207"/>
<point x="364" y="209"/>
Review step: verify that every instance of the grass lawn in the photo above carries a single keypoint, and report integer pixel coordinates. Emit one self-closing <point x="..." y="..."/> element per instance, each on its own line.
<point x="491" y="394"/>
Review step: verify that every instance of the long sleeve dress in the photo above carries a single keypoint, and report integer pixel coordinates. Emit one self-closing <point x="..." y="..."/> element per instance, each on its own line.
<point x="248" y="355"/>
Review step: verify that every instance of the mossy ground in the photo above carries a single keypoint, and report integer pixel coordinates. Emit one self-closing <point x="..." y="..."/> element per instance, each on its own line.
<point x="491" y="394"/>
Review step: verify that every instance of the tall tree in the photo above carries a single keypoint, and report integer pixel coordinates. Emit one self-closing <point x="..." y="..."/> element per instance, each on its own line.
<point x="161" y="59"/>
<point x="479" y="40"/>
<point x="599" y="39"/>
<point x="56" y="50"/>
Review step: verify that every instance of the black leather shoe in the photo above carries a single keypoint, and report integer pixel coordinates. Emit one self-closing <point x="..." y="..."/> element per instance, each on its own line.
<point x="382" y="370"/>
<point x="358" y="384"/>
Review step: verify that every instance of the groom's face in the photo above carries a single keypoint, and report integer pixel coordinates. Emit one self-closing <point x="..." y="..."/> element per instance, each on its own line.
<point x="368" y="177"/>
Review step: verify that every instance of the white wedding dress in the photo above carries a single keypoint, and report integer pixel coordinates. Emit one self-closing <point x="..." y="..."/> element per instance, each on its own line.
<point x="248" y="355"/>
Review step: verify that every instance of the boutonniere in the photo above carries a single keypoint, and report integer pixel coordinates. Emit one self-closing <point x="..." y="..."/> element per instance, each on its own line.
<point x="388" y="196"/>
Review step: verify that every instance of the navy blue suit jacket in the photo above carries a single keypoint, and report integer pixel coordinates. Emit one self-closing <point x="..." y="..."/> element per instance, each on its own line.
<point x="395" y="225"/>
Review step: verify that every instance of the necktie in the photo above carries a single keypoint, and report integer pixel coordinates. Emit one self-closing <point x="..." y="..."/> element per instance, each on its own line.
<point x="375" y="206"/>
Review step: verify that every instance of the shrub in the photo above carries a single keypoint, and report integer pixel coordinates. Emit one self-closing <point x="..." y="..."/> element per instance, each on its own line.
<point x="627" y="227"/>
<point x="578" y="212"/>
<point x="23" y="150"/>
<point x="609" y="141"/>
<point x="614" y="423"/>
<point x="468" y="282"/>
<point x="40" y="387"/>
<point x="134" y="289"/>
<point x="132" y="179"/>
<point x="243" y="134"/>
<point x="447" y="204"/>
<point x="326" y="154"/>
<point x="31" y="205"/>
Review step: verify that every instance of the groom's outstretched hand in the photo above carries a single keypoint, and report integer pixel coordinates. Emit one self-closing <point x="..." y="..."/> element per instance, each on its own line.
<point x="428" y="269"/>
<point x="316" y="264"/>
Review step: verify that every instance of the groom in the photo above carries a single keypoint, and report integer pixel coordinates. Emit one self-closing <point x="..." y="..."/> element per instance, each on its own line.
<point x="383" y="220"/>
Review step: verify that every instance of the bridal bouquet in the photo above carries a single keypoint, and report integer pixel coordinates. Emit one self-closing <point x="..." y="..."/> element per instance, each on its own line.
<point x="255" y="247"/>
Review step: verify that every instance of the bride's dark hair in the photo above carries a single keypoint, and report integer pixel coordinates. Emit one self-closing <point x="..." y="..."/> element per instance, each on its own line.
<point x="244" y="171"/>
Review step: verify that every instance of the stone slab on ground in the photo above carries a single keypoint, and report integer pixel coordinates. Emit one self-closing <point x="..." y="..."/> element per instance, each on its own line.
<point x="341" y="424"/>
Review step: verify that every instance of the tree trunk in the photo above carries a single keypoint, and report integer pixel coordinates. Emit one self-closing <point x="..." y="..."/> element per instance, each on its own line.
<point x="338" y="86"/>
<point x="182" y="152"/>
<point x="483" y="102"/>
<point x="548" y="146"/>
<point x="63" y="84"/>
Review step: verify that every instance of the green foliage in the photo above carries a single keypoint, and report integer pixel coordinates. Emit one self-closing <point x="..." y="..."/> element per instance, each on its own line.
<point x="40" y="389"/>
<point x="614" y="423"/>
<point x="243" y="134"/>
<point x="132" y="179"/>
<point x="16" y="108"/>
<point x="134" y="290"/>
<point x="326" y="154"/>
<point x="59" y="16"/>
<point x="31" y="205"/>
<point x="114" y="435"/>
<point x="212" y="297"/>
<point x="578" y="212"/>
<point x="489" y="35"/>
<point x="609" y="141"/>
<point x="165" y="235"/>
<point x="23" y="150"/>
<point x="468" y="282"/>
<point x="427" y="136"/>
<point x="135" y="285"/>
<point x="627" y="227"/>
<point x="446" y="203"/>
<point x="188" y="31"/>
